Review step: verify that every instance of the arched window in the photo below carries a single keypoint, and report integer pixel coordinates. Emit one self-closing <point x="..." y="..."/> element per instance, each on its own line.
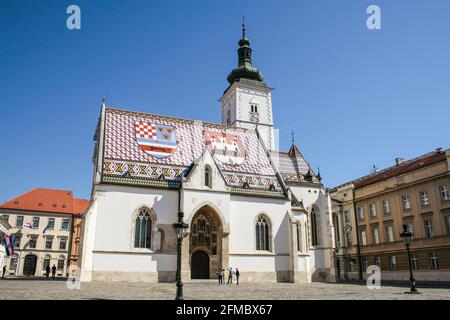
<point x="208" y="177"/>
<point x="314" y="228"/>
<point x="143" y="229"/>
<point x="262" y="234"/>
<point x="299" y="235"/>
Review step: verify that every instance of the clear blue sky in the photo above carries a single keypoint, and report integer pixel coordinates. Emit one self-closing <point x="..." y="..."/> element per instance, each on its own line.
<point x="354" y="97"/>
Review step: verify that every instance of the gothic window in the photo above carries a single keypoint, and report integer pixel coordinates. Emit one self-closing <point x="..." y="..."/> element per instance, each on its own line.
<point x="143" y="229"/>
<point x="262" y="229"/>
<point x="208" y="177"/>
<point x="314" y="228"/>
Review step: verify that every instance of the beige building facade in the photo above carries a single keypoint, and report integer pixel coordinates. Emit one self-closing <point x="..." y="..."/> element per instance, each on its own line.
<point x="46" y="225"/>
<point x="369" y="214"/>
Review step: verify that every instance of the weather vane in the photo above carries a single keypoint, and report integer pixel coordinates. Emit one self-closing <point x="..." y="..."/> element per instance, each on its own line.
<point x="243" y="27"/>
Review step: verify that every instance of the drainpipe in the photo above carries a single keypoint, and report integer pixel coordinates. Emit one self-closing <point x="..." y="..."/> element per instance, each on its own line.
<point x="357" y="236"/>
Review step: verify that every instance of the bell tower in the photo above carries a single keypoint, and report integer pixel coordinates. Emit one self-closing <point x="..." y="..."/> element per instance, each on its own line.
<point x="247" y="102"/>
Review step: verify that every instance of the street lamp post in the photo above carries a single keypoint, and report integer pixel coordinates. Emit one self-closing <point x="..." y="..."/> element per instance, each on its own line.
<point x="407" y="236"/>
<point x="180" y="230"/>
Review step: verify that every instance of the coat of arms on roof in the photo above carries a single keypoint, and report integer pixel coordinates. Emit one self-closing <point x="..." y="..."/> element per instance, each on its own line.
<point x="226" y="148"/>
<point x="157" y="140"/>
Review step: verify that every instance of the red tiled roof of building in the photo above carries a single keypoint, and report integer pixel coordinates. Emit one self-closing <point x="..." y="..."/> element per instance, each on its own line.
<point x="406" y="167"/>
<point x="47" y="200"/>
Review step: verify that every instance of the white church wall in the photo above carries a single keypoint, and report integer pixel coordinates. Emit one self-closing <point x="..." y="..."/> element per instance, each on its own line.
<point x="195" y="199"/>
<point x="88" y="242"/>
<point x="303" y="263"/>
<point x="243" y="215"/>
<point x="117" y="206"/>
<point x="261" y="263"/>
<point x="134" y="262"/>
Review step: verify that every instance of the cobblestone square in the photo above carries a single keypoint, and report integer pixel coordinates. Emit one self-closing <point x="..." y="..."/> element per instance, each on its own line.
<point x="57" y="290"/>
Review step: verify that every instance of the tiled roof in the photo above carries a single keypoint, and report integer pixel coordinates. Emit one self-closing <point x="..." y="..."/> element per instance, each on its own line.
<point x="405" y="167"/>
<point x="408" y="166"/>
<point x="124" y="158"/>
<point x="47" y="200"/>
<point x="292" y="165"/>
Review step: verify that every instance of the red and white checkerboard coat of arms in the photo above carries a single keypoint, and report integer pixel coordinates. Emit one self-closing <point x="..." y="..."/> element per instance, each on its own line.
<point x="226" y="148"/>
<point x="156" y="139"/>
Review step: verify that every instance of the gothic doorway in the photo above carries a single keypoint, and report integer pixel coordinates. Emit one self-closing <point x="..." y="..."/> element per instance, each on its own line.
<point x="29" y="266"/>
<point x="205" y="244"/>
<point x="200" y="265"/>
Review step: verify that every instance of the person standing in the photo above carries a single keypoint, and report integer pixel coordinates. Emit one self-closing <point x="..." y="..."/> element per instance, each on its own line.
<point x="4" y="271"/>
<point x="53" y="272"/>
<point x="237" y="276"/>
<point x="225" y="275"/>
<point x="47" y="271"/>
<point x="219" y="276"/>
<point x="230" y="276"/>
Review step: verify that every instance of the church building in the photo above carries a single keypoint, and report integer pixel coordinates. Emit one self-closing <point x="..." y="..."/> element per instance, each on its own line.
<point x="248" y="205"/>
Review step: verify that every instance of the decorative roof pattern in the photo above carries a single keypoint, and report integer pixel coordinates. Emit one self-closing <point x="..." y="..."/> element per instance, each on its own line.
<point x="124" y="156"/>
<point x="293" y="166"/>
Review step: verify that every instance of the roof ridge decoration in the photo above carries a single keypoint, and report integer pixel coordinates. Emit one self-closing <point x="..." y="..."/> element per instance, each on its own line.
<point x="176" y="119"/>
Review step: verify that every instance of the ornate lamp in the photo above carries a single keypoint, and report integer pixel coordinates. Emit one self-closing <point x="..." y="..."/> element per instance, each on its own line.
<point x="180" y="230"/>
<point x="407" y="236"/>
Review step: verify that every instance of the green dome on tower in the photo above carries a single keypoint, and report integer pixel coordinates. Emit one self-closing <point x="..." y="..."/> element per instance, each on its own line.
<point x="245" y="69"/>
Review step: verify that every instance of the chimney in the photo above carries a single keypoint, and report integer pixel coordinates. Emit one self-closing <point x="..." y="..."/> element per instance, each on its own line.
<point x="399" y="161"/>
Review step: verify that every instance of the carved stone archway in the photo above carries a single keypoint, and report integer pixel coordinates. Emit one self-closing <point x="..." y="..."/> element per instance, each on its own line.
<point x="206" y="234"/>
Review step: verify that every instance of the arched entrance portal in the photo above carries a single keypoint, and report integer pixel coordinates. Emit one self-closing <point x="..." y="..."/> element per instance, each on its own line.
<point x="205" y="244"/>
<point x="200" y="265"/>
<point x="29" y="266"/>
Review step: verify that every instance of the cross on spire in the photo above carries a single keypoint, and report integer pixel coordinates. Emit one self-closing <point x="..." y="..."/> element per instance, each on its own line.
<point x="243" y="27"/>
<point x="292" y="137"/>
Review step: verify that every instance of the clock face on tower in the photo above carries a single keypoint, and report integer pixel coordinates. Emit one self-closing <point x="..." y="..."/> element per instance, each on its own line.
<point x="254" y="117"/>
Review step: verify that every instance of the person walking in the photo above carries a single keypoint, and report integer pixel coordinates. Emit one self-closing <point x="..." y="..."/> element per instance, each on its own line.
<point x="47" y="271"/>
<point x="4" y="271"/>
<point x="237" y="276"/>
<point x="230" y="276"/>
<point x="53" y="272"/>
<point x="223" y="276"/>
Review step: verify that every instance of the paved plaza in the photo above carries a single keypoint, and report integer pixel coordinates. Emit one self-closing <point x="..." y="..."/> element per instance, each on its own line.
<point x="54" y="290"/>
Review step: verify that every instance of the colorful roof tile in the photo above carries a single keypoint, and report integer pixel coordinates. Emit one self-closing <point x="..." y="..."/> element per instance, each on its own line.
<point x="147" y="147"/>
<point x="292" y="165"/>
